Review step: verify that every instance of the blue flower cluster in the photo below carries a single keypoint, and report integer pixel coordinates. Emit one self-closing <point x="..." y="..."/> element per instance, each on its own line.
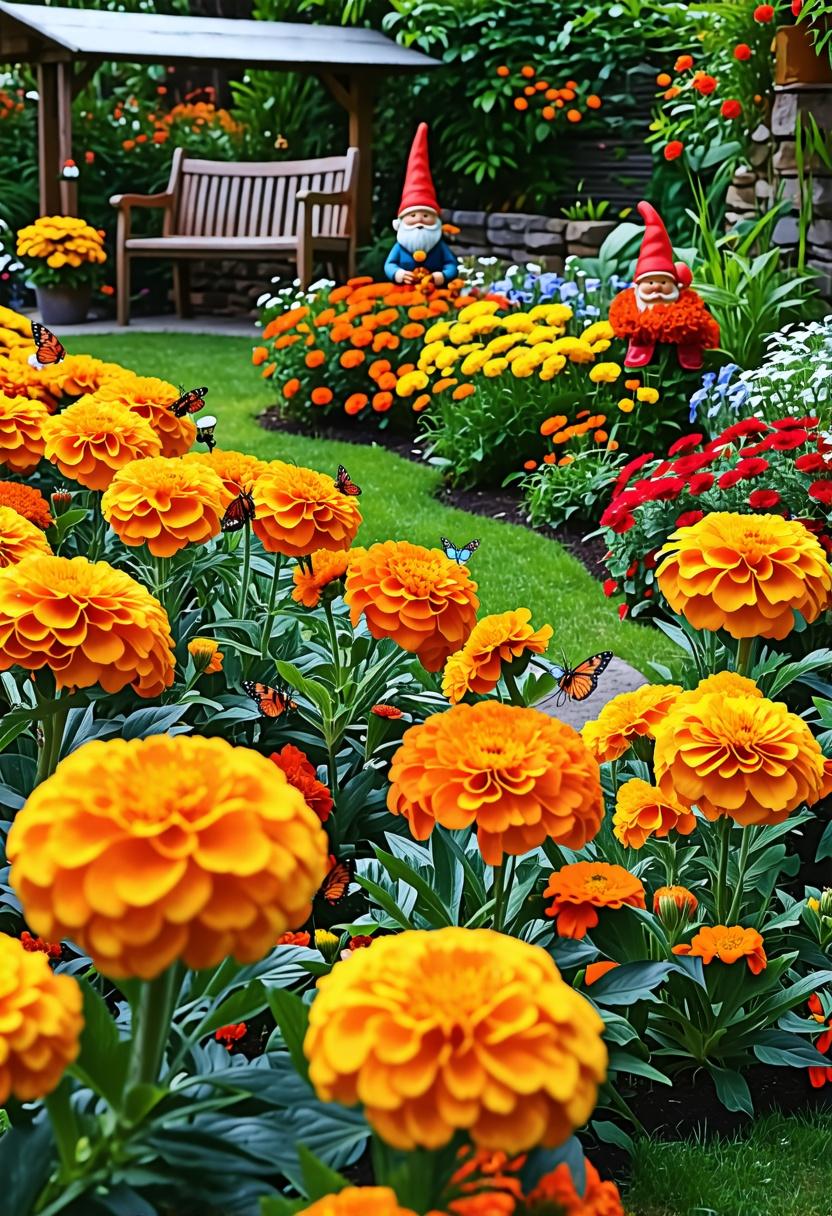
<point x="587" y="297"/>
<point x="720" y="392"/>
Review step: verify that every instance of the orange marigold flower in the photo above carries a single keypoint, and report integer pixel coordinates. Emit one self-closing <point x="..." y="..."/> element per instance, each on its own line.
<point x="726" y="683"/>
<point x="40" y="1023"/>
<point x="328" y="566"/>
<point x="426" y="603"/>
<point x="579" y="889"/>
<point x="206" y="655"/>
<point x="314" y="358"/>
<point x="77" y="375"/>
<point x="463" y="391"/>
<point x="294" y="939"/>
<point x="352" y="358"/>
<point x="741" y="756"/>
<point x="683" y="899"/>
<point x="291" y="388"/>
<point x="642" y="811"/>
<point x="259" y="355"/>
<point x="300" y="511"/>
<point x="358" y="1201"/>
<point x="420" y="403"/>
<point x="683" y="63"/>
<point x="503" y="638"/>
<point x="321" y="396"/>
<point x="574" y="115"/>
<point x="236" y="470"/>
<point x="729" y="944"/>
<point x="553" y="424"/>
<point x="355" y="403"/>
<point x="378" y="367"/>
<point x="593" y="102"/>
<point x="191" y="849"/>
<point x="517" y="774"/>
<point x="301" y="774"/>
<point x="627" y="717"/>
<point x="165" y="503"/>
<point x="27" y="502"/>
<point x="21" y="432"/>
<point x="91" y="440"/>
<point x="85" y="621"/>
<point x="19" y="538"/>
<point x="663" y="80"/>
<point x="451" y="1003"/>
<point x="556" y="1192"/>
<point x="520" y="103"/>
<point x="747" y="574"/>
<point x="386" y="711"/>
<point x="673" y="149"/>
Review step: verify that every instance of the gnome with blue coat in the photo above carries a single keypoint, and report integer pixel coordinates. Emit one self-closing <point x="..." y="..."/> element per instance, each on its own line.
<point x="419" y="254"/>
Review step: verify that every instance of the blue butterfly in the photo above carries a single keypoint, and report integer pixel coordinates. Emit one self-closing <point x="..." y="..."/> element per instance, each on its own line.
<point x="460" y="556"/>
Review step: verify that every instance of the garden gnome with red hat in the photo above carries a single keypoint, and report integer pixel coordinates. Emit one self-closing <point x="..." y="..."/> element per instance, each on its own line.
<point x="661" y="306"/>
<point x="419" y="252"/>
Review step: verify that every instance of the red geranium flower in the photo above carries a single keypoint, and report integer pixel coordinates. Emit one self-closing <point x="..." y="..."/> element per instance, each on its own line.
<point x="763" y="499"/>
<point x="704" y="84"/>
<point x="786" y="441"/>
<point x="610" y="586"/>
<point x="730" y="108"/>
<point x="811" y="462"/>
<point x="821" y="491"/>
<point x="699" y="483"/>
<point x="742" y="51"/>
<point x="785" y="424"/>
<point x="764" y="13"/>
<point x="689" y="517"/>
<point x="729" y="479"/>
<point x="667" y="488"/>
<point x="632" y="466"/>
<point x="737" y="430"/>
<point x="686" y="444"/>
<point x="674" y="149"/>
<point x="622" y="611"/>
<point x="752" y="467"/>
<point x="302" y="775"/>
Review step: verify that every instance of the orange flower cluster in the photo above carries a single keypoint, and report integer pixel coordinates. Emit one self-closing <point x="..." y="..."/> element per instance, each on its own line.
<point x="26" y="501"/>
<point x="555" y="99"/>
<point x="333" y="350"/>
<point x="358" y="1201"/>
<point x="578" y="890"/>
<point x="556" y="1192"/>
<point x="728" y="944"/>
<point x="302" y="775"/>
<point x="90" y="441"/>
<point x="627" y="718"/>
<point x="641" y="811"/>
<point x="151" y="399"/>
<point x="505" y="638"/>
<point x="19" y="538"/>
<point x="328" y="569"/>
<point x="560" y="431"/>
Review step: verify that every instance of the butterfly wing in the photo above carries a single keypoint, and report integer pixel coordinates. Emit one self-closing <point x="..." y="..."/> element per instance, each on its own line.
<point x="578" y="683"/>
<point x="238" y="513"/>
<point x="336" y="885"/>
<point x="271" y="702"/>
<point x="49" y="350"/>
<point x="460" y="556"/>
<point x="190" y="402"/>
<point x="345" y="483"/>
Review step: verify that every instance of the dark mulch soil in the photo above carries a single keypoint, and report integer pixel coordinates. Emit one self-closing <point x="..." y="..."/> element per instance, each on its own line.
<point x="504" y="504"/>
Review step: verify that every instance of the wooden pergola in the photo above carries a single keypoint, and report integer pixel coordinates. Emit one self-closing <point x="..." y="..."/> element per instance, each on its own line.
<point x="67" y="44"/>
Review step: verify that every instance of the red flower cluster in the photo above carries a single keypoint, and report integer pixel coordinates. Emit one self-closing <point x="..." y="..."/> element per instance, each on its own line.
<point x="818" y="1076"/>
<point x="229" y="1035"/>
<point x="38" y="944"/>
<point x="302" y="775"/>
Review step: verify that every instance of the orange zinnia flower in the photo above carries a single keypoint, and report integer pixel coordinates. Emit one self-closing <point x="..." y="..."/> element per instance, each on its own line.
<point x="747" y="574"/>
<point x="85" y="621"/>
<point x="728" y="943"/>
<point x="519" y="775"/>
<point x="19" y="538"/>
<point x="294" y="939"/>
<point x="328" y="567"/>
<point x="236" y="470"/>
<point x="151" y="399"/>
<point x="426" y="603"/>
<point x="642" y="811"/>
<point x="684" y="899"/>
<point x="21" y="432"/>
<point x="506" y="638"/>
<point x="741" y="756"/>
<point x="556" y="1192"/>
<point x="165" y="503"/>
<point x="358" y="1201"/>
<point x="91" y="440"/>
<point x="191" y="850"/>
<point x="299" y="511"/>
<point x="579" y="889"/>
<point x="40" y="1023"/>
<point x="456" y="1003"/>
<point x="301" y="774"/>
<point x="27" y="502"/>
<point x="627" y="717"/>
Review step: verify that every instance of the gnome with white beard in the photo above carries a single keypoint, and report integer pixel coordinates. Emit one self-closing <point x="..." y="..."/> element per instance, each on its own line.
<point x="661" y="306"/>
<point x="419" y="254"/>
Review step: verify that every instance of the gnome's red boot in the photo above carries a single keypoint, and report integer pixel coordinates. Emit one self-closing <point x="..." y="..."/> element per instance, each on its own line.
<point x="639" y="354"/>
<point x="690" y="356"/>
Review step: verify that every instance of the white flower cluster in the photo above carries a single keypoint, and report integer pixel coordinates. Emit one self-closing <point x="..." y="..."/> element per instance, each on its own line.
<point x="795" y="376"/>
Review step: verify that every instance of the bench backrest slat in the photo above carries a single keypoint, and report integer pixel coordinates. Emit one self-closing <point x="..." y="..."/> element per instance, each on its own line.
<point x="258" y="198"/>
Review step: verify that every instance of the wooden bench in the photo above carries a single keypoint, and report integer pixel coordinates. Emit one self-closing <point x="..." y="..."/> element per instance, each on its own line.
<point x="218" y="209"/>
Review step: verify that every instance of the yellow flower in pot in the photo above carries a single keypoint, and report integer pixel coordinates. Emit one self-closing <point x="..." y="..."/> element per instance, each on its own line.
<point x="62" y="255"/>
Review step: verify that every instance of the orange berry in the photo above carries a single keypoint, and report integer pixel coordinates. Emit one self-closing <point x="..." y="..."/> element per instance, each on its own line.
<point x="321" y="396"/>
<point x="502" y="70"/>
<point x="520" y="103"/>
<point x="593" y="102"/>
<point x="551" y="94"/>
<point x="541" y="85"/>
<point x="529" y="464"/>
<point x="663" y="80"/>
<point x="568" y="94"/>
<point x="548" y="113"/>
<point x="527" y="70"/>
<point x="571" y="84"/>
<point x="574" y="115"/>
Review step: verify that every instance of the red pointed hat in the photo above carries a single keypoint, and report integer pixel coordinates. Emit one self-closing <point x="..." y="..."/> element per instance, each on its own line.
<point x="418" y="184"/>
<point x="656" y="253"/>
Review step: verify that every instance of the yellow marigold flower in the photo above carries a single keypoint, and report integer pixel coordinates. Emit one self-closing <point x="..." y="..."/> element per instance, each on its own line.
<point x="742" y="756"/>
<point x="502" y="343"/>
<point x="87" y="622"/>
<point x="725" y="683"/>
<point x="579" y="889"/>
<point x="650" y="395"/>
<point x="474" y="362"/>
<point x="328" y="567"/>
<point x="598" y="331"/>
<point x="468" y="1028"/>
<point x="519" y="775"/>
<point x="90" y="441"/>
<point x="518" y="323"/>
<point x="77" y="375"/>
<point x="552" y="365"/>
<point x="19" y="379"/>
<point x="580" y="353"/>
<point x="747" y="574"/>
<point x="626" y="405"/>
<point x="506" y="637"/>
<point x="358" y="1201"/>
<point x="642" y="811"/>
<point x="434" y="338"/>
<point x="598" y="348"/>
<point x="21" y="432"/>
<point x="410" y="383"/>
<point x="327" y="943"/>
<point x="206" y="655"/>
<point x="494" y="367"/>
<point x="300" y="511"/>
<point x="191" y="849"/>
<point x="629" y="716"/>
<point x="460" y="333"/>
<point x="165" y="503"/>
<point x="446" y="358"/>
<point x="16" y="323"/>
<point x="61" y="241"/>
<point x="40" y="1023"/>
<point x="151" y="399"/>
<point x="479" y="309"/>
<point x="484" y="325"/>
<point x="605" y="373"/>
<point x="522" y="368"/>
<point x="236" y="470"/>
<point x="26" y="501"/>
<point x="418" y="597"/>
<point x="19" y="538"/>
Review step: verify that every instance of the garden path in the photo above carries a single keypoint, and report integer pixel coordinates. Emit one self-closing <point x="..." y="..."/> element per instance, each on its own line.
<point x="619" y="677"/>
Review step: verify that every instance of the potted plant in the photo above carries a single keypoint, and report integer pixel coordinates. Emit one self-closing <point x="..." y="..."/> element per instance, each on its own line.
<point x="802" y="49"/>
<point x="62" y="255"/>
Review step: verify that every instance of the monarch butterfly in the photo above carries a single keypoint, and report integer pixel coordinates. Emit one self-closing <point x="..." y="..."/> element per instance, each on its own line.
<point x="272" y="702"/>
<point x="189" y="403"/>
<point x="49" y="350"/>
<point x="578" y="683"/>
<point x="336" y="885"/>
<point x="239" y="512"/>
<point x="460" y="556"/>
<point x="345" y="483"/>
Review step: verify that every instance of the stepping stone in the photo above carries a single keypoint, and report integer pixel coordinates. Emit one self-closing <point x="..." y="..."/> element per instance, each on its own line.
<point x="619" y="677"/>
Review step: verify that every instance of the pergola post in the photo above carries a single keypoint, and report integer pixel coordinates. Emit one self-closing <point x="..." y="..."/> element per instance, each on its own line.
<point x="68" y="186"/>
<point x="57" y="196"/>
<point x="356" y="96"/>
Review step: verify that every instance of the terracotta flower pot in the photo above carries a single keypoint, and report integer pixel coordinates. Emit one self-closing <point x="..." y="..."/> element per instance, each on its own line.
<point x="63" y="305"/>
<point x="797" y="61"/>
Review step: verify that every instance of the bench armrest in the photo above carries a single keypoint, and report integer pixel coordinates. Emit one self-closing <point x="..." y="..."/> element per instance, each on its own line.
<point x="313" y="198"/>
<point x="123" y="201"/>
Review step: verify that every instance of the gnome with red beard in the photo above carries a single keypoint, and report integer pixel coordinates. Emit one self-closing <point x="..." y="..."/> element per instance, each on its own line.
<point x="661" y="306"/>
<point x="419" y="255"/>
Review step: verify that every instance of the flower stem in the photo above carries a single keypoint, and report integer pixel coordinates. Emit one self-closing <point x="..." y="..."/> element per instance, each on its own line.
<point x="736" y="902"/>
<point x="745" y="651"/>
<point x="246" y="572"/>
<point x="723" y="829"/>
<point x="333" y="641"/>
<point x="64" y="1127"/>
<point x="157" y="1001"/>
<point x="499" y="891"/>
<point x="267" y="619"/>
<point x="52" y="726"/>
<point x="514" y="693"/>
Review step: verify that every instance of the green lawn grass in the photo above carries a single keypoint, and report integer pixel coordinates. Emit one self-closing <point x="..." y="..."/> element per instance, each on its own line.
<point x="513" y="566"/>
<point x="782" y="1168"/>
